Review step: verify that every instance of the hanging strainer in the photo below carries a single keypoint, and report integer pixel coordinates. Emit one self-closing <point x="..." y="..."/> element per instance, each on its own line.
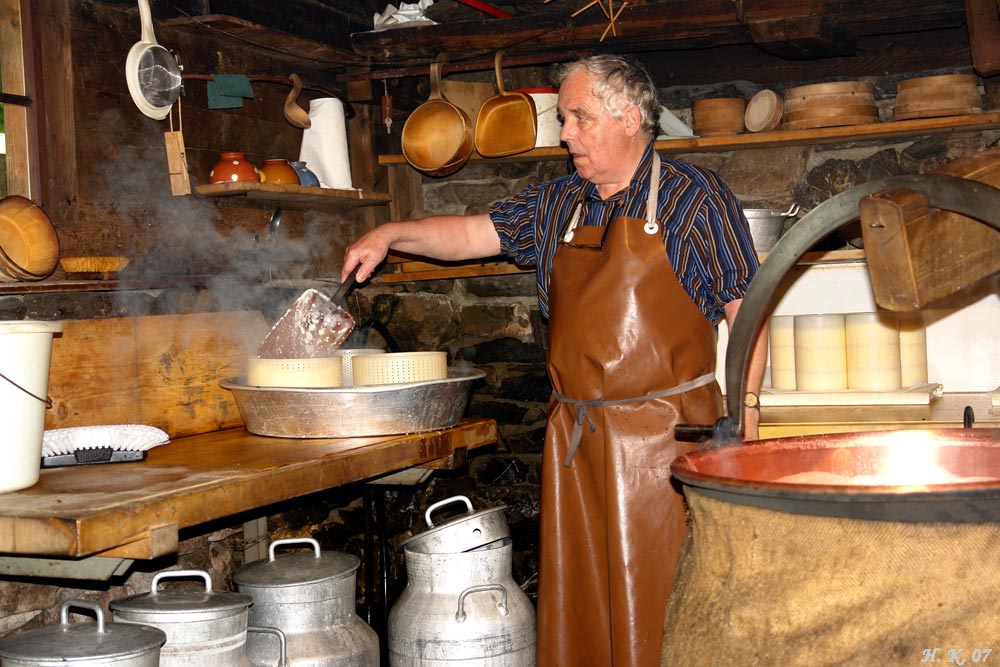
<point x="151" y="71"/>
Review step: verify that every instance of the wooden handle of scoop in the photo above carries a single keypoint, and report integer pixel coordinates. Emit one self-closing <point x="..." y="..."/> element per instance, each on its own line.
<point x="345" y="287"/>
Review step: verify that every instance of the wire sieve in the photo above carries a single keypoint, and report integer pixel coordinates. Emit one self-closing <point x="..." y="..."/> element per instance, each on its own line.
<point x="151" y="71"/>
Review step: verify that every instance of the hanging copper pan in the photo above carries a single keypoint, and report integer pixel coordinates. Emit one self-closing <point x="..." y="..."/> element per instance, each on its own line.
<point x="507" y="122"/>
<point x="437" y="137"/>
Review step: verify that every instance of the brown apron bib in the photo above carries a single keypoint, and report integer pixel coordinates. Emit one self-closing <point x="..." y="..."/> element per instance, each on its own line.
<point x="629" y="356"/>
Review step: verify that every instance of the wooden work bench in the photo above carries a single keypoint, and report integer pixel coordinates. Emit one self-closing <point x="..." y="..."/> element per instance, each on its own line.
<point x="164" y="371"/>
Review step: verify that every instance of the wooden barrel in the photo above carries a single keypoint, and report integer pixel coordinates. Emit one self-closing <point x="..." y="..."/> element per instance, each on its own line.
<point x="934" y="96"/>
<point x="829" y="104"/>
<point x="718" y="116"/>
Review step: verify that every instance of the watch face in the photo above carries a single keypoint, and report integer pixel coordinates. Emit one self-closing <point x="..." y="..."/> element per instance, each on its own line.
<point x="751" y="400"/>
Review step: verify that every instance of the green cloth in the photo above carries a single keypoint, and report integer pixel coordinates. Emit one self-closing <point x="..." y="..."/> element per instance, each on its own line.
<point x="226" y="91"/>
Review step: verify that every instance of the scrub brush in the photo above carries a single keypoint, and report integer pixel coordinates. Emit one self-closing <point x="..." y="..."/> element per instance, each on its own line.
<point x="84" y="445"/>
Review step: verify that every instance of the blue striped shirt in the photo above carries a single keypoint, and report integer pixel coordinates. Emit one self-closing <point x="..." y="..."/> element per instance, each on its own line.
<point x="706" y="235"/>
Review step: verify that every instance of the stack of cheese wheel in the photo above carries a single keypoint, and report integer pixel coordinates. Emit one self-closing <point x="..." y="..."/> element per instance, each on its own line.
<point x="718" y="116"/>
<point x="828" y="105"/>
<point x="934" y="96"/>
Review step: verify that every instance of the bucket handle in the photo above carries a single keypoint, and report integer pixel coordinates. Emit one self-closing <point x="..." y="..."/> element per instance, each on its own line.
<point x="502" y="606"/>
<point x="92" y="606"/>
<point x="442" y="503"/>
<point x="293" y="540"/>
<point x="47" y="400"/>
<point x="282" y="644"/>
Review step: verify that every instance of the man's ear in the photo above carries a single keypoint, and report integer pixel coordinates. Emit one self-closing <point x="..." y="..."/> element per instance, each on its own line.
<point x="632" y="118"/>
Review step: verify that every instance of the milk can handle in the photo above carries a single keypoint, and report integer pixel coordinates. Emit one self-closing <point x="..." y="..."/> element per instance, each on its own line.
<point x="64" y="612"/>
<point x="282" y="646"/>
<point x="176" y="574"/>
<point x="442" y="503"/>
<point x="293" y="540"/>
<point x="793" y="210"/>
<point x="504" y="611"/>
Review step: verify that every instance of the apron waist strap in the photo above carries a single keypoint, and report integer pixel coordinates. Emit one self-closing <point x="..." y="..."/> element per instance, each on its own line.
<point x="582" y="408"/>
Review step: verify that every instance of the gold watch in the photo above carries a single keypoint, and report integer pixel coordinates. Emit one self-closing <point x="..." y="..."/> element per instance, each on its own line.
<point x="751" y="400"/>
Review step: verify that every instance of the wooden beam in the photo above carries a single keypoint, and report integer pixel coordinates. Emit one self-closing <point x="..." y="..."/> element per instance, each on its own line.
<point x="802" y="38"/>
<point x="917" y="254"/>
<point x="984" y="34"/>
<point x="682" y="24"/>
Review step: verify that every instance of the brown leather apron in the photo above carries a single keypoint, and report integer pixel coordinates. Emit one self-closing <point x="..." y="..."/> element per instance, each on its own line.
<point x="629" y="356"/>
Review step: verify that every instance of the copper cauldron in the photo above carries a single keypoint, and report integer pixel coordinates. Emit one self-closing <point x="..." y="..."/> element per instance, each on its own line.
<point x="851" y="549"/>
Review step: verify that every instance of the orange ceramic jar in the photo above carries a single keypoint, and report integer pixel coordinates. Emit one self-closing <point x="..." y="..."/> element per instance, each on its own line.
<point x="278" y="172"/>
<point x="233" y="167"/>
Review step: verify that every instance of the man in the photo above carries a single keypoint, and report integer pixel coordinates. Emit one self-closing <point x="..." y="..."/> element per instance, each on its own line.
<point x="637" y="258"/>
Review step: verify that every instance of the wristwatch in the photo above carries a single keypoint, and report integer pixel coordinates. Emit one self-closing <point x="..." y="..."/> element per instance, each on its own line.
<point x="751" y="400"/>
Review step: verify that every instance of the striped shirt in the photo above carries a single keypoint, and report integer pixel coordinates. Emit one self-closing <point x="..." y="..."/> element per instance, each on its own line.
<point x="706" y="235"/>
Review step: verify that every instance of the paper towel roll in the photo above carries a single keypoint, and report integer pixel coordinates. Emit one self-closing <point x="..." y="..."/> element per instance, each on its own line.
<point x="324" y="144"/>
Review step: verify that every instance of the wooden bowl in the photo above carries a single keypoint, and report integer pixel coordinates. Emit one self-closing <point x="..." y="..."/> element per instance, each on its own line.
<point x="718" y="116"/>
<point x="28" y="240"/>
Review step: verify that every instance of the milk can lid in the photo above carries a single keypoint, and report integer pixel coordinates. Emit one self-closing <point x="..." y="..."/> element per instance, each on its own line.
<point x="298" y="568"/>
<point x="68" y="642"/>
<point x="183" y="600"/>
<point x="464" y="532"/>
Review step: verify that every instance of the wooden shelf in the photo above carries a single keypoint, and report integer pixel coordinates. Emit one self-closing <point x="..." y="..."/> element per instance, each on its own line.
<point x="899" y="129"/>
<point x="294" y="194"/>
<point x="135" y="510"/>
<point x="442" y="272"/>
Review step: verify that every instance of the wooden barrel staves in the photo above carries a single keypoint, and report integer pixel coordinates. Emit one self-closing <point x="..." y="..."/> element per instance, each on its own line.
<point x="935" y="96"/>
<point x="718" y="116"/>
<point x="828" y="105"/>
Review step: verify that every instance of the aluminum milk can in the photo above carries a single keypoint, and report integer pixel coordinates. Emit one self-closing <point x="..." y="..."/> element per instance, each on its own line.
<point x="310" y="596"/>
<point x="204" y="628"/>
<point x="84" y="644"/>
<point x="462" y="610"/>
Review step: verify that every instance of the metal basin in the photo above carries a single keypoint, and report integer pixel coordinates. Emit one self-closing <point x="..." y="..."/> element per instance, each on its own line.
<point x="950" y="475"/>
<point x="353" y="412"/>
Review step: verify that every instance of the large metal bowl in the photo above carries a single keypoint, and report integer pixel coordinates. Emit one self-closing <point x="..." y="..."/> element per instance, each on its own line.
<point x="353" y="412"/>
<point x="947" y="474"/>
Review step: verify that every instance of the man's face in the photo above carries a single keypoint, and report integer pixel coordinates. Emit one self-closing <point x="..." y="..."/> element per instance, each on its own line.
<point x="596" y="141"/>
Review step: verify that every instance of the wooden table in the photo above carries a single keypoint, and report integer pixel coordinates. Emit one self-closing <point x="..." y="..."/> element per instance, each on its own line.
<point x="135" y="510"/>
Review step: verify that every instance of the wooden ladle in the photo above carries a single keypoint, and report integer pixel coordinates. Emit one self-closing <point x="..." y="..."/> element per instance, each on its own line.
<point x="295" y="114"/>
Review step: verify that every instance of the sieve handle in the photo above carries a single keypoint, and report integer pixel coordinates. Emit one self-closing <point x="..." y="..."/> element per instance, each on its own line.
<point x="345" y="287"/>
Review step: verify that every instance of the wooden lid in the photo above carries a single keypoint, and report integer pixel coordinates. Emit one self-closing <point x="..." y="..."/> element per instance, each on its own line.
<point x="763" y="112"/>
<point x="947" y="80"/>
<point x="830" y="87"/>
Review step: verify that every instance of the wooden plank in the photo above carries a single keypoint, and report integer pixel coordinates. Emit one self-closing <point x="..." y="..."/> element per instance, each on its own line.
<point x="162" y="370"/>
<point x="136" y="508"/>
<point x="280" y="44"/>
<point x="92" y="375"/>
<point x="294" y="194"/>
<point x="497" y="269"/>
<point x="180" y="360"/>
<point x="916" y="254"/>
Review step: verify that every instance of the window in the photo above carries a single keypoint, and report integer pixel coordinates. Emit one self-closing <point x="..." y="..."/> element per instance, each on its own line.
<point x="18" y="147"/>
